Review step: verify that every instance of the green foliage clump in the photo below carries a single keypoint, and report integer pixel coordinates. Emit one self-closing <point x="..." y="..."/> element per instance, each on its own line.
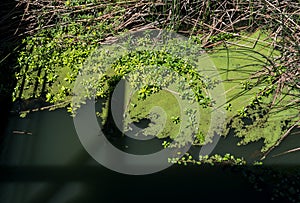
<point x="146" y="58"/>
<point x="215" y="159"/>
<point x="51" y="58"/>
<point x="223" y="36"/>
<point x="151" y="92"/>
<point x="49" y="64"/>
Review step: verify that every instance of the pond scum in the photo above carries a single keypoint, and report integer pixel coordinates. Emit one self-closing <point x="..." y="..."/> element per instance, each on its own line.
<point x="254" y="45"/>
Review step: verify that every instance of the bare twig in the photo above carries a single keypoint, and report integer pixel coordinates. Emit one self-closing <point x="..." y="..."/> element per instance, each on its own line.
<point x="280" y="140"/>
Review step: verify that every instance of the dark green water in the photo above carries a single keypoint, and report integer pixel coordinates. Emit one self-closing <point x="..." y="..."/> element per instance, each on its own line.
<point x="52" y="166"/>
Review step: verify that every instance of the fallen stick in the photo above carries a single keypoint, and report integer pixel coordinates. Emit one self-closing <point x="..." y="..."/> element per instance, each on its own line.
<point x="288" y="151"/>
<point x="22" y="132"/>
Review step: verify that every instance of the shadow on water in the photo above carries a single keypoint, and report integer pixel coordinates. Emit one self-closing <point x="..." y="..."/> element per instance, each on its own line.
<point x="10" y="17"/>
<point x="126" y="143"/>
